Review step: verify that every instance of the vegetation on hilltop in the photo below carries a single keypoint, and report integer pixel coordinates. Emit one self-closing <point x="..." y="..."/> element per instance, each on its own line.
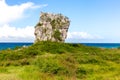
<point x="59" y="61"/>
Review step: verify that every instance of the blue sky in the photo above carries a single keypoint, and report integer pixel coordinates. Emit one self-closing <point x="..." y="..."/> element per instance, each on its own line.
<point x="94" y="21"/>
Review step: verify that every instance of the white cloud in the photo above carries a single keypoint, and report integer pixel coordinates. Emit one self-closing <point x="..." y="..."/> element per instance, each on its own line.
<point x="8" y="33"/>
<point x="11" y="13"/>
<point x="39" y="6"/>
<point x="82" y="35"/>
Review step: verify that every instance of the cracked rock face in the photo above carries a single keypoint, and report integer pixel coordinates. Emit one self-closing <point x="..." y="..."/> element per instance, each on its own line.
<point x="52" y="27"/>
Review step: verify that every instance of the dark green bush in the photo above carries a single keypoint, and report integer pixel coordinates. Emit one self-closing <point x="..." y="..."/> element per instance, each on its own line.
<point x="81" y="72"/>
<point x="57" y="35"/>
<point x="50" y="65"/>
<point x="53" y="47"/>
<point x="17" y="47"/>
<point x="39" y="24"/>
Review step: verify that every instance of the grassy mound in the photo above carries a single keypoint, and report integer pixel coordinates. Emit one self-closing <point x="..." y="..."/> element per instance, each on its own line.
<point x="59" y="61"/>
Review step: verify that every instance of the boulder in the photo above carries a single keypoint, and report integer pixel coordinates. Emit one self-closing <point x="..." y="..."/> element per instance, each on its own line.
<point x="51" y="27"/>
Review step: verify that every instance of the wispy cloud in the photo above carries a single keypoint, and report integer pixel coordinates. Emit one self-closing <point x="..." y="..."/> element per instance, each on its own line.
<point x="9" y="14"/>
<point x="8" y="33"/>
<point x="82" y="35"/>
<point x="39" y="6"/>
<point x="14" y="12"/>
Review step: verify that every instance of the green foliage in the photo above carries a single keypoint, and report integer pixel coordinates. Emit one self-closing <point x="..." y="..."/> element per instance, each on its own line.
<point x="44" y="30"/>
<point x="48" y="19"/>
<point x="56" y="64"/>
<point x="81" y="72"/>
<point x="57" y="23"/>
<point x="53" y="23"/>
<point x="17" y="47"/>
<point x="39" y="24"/>
<point x="3" y="70"/>
<point x="57" y="35"/>
<point x="60" y="61"/>
<point x="50" y="65"/>
<point x="53" y="47"/>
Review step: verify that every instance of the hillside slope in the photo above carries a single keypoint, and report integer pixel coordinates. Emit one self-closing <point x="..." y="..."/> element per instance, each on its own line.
<point x="59" y="61"/>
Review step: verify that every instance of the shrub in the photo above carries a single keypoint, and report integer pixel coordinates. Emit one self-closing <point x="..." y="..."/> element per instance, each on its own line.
<point x="50" y="65"/>
<point x="57" y="35"/>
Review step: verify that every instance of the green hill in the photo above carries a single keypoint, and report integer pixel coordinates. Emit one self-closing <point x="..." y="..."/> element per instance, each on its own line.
<point x="59" y="61"/>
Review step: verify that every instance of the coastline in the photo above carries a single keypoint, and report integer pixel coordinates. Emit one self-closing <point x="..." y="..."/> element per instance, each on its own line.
<point x="12" y="45"/>
<point x="9" y="45"/>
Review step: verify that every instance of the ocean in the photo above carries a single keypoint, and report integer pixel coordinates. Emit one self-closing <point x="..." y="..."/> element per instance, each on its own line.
<point x="13" y="45"/>
<point x="101" y="45"/>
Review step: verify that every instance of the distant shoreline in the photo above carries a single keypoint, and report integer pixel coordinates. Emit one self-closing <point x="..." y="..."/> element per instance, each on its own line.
<point x="103" y="45"/>
<point x="12" y="45"/>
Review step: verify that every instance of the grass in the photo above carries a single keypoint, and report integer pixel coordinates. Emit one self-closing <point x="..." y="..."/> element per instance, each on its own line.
<point x="59" y="61"/>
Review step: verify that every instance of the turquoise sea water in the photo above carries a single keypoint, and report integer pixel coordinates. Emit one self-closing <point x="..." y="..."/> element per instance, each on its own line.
<point x="103" y="45"/>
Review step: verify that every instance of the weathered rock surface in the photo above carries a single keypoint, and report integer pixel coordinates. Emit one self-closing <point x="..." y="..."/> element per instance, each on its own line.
<point x="52" y="27"/>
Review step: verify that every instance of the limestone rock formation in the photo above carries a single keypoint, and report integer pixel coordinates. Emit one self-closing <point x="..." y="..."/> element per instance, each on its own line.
<point x="52" y="27"/>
